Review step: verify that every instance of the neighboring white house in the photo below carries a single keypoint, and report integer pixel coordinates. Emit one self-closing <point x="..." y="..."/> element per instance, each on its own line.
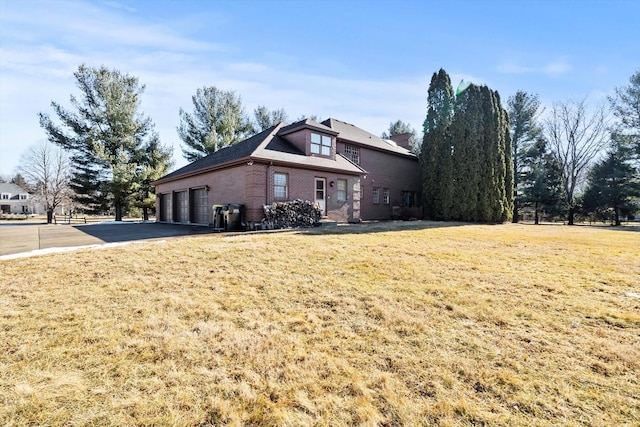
<point x="14" y="199"/>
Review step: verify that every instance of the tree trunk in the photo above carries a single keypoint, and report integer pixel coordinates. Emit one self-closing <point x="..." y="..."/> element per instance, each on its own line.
<point x="515" y="212"/>
<point x="571" y="215"/>
<point x="49" y="216"/>
<point x="145" y="214"/>
<point x="536" y="215"/>
<point x="118" y="207"/>
<point x="617" y="215"/>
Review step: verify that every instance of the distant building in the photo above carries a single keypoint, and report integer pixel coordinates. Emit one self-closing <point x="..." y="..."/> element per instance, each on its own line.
<point x="14" y="199"/>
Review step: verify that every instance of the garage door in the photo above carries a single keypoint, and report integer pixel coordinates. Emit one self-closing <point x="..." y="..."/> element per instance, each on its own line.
<point x="182" y="206"/>
<point x="165" y="207"/>
<point x="199" y="203"/>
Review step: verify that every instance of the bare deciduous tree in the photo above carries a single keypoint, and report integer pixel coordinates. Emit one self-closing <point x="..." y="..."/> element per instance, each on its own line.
<point x="577" y="134"/>
<point x="47" y="168"/>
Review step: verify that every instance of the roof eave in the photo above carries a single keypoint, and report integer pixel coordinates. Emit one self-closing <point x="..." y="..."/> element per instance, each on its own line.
<point x="203" y="170"/>
<point x="408" y="155"/>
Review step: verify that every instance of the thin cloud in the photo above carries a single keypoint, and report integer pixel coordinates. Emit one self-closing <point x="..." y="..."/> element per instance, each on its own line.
<point x="118" y="5"/>
<point x="84" y="26"/>
<point x="553" y="68"/>
<point x="556" y="68"/>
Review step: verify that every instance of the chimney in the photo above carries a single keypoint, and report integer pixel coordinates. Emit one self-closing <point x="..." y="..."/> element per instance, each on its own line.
<point x="402" y="140"/>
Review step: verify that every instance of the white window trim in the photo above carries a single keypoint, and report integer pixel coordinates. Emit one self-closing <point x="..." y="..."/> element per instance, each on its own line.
<point x="285" y="186"/>
<point x="341" y="191"/>
<point x="386" y="199"/>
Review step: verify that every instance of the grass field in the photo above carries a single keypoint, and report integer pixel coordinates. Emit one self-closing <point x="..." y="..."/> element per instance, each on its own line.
<point x="429" y="324"/>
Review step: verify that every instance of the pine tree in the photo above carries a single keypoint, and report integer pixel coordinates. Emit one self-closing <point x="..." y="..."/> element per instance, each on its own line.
<point x="613" y="184"/>
<point x="218" y="120"/>
<point x="158" y="162"/>
<point x="107" y="136"/>
<point x="525" y="131"/>
<point x="541" y="183"/>
<point x="265" y="118"/>
<point x="626" y="107"/>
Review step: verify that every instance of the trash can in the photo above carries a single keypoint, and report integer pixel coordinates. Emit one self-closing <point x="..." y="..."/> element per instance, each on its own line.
<point x="218" y="217"/>
<point x="232" y="216"/>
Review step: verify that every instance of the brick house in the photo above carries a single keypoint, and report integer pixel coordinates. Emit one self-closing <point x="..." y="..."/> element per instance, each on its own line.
<point x="349" y="173"/>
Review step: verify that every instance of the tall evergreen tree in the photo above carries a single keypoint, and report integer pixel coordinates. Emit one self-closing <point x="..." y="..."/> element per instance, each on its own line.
<point x="541" y="184"/>
<point x="437" y="164"/>
<point x="626" y="107"/>
<point x="107" y="137"/>
<point x="265" y="118"/>
<point x="613" y="184"/>
<point x="466" y="140"/>
<point x="399" y="128"/>
<point x="158" y="161"/>
<point x="19" y="180"/>
<point x="466" y="154"/>
<point x="481" y="156"/>
<point x="218" y="120"/>
<point x="523" y="111"/>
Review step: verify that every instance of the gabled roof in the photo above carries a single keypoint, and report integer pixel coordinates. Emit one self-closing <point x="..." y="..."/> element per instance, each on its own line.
<point x="306" y="124"/>
<point x="13" y="189"/>
<point x="267" y="146"/>
<point x="347" y="131"/>
<point x="228" y="154"/>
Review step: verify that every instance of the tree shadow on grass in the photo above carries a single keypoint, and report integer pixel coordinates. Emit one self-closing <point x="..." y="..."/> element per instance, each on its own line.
<point x="381" y="227"/>
<point x="626" y="226"/>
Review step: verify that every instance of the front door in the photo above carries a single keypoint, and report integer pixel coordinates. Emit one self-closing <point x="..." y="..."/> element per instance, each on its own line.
<point x="321" y="195"/>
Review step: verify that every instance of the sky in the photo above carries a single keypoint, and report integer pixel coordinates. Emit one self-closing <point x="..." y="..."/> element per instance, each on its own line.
<point x="366" y="62"/>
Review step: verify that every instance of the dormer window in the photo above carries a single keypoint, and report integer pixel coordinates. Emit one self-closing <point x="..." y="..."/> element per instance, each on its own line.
<point x="320" y="144"/>
<point x="23" y="197"/>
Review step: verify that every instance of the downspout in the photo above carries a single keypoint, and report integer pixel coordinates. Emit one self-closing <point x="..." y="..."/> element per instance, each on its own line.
<point x="266" y="182"/>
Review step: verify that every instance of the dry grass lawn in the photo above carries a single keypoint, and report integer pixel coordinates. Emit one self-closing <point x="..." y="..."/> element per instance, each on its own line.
<point x="430" y="324"/>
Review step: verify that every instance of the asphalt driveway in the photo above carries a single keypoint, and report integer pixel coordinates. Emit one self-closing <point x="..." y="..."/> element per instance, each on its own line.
<point x="18" y="238"/>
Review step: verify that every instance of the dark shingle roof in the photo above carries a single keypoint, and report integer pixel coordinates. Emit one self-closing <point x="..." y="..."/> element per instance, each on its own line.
<point x="352" y="133"/>
<point x="269" y="146"/>
<point x="234" y="152"/>
<point x="306" y="123"/>
<point x="280" y="144"/>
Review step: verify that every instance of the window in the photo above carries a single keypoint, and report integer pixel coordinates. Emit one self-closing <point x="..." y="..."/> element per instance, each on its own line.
<point x="352" y="153"/>
<point x="342" y="190"/>
<point x="280" y="185"/>
<point x="320" y="144"/>
<point x="409" y="199"/>
<point x="376" y="195"/>
<point x="385" y="196"/>
<point x="5" y="196"/>
<point x="23" y="197"/>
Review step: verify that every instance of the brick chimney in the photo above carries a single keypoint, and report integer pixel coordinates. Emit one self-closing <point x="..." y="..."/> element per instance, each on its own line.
<point x="402" y="140"/>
